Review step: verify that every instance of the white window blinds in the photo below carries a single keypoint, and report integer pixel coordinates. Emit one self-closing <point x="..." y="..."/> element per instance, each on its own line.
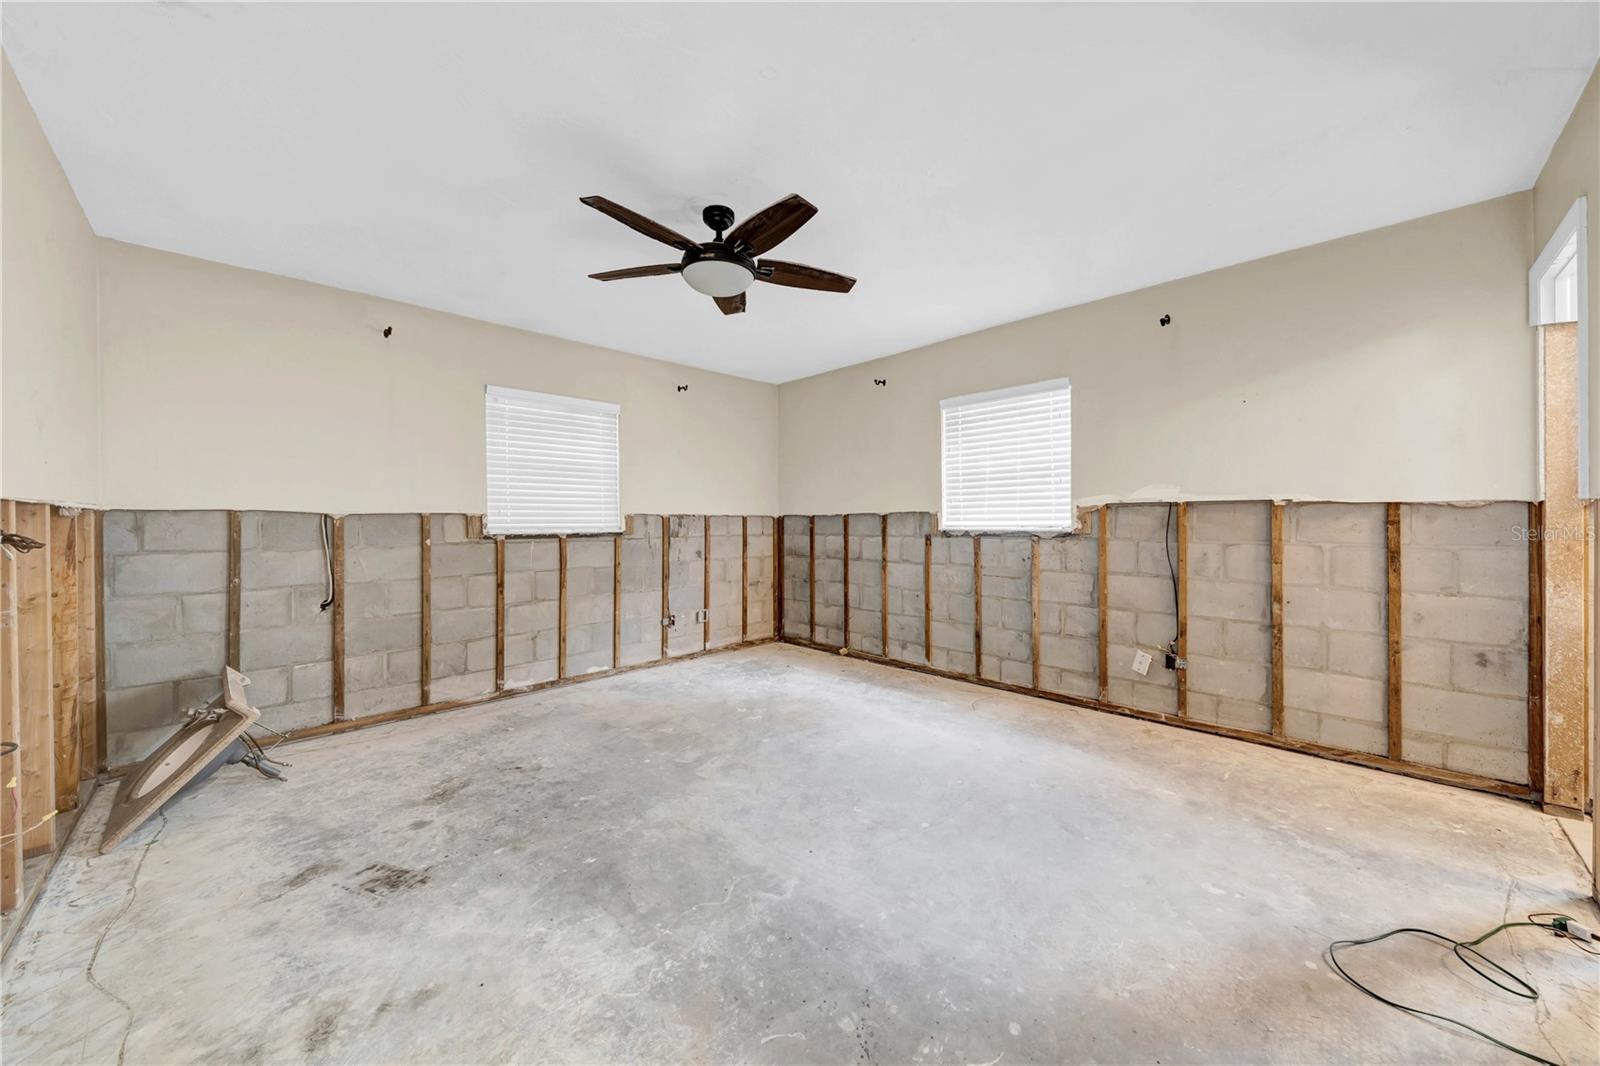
<point x="1007" y="459"/>
<point x="552" y="463"/>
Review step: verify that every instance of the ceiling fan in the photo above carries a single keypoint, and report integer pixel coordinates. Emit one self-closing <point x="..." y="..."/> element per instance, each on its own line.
<point x="725" y="266"/>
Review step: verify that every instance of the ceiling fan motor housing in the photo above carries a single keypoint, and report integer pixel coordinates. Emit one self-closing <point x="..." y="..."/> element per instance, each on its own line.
<point x="717" y="268"/>
<point x="719" y="217"/>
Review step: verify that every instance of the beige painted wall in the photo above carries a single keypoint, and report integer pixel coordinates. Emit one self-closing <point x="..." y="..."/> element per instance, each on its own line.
<point x="1573" y="170"/>
<point x="49" y="364"/>
<point x="228" y="388"/>
<point x="1391" y="365"/>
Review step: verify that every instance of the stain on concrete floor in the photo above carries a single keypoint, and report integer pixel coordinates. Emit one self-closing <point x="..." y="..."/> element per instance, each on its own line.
<point x="778" y="855"/>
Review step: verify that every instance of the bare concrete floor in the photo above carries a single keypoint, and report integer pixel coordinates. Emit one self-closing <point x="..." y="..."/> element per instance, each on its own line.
<point x="778" y="855"/>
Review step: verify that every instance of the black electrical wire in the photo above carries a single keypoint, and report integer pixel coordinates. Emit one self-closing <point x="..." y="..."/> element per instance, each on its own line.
<point x="1466" y="951"/>
<point x="1166" y="542"/>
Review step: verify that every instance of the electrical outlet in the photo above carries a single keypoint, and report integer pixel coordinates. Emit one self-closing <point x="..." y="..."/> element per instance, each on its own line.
<point x="669" y="621"/>
<point x="1176" y="662"/>
<point x="1141" y="663"/>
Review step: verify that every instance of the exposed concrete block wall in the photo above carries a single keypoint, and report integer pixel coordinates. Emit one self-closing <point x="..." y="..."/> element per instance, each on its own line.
<point x="1142" y="613"/>
<point x="1230" y="614"/>
<point x="796" y="577"/>
<point x="952" y="605"/>
<point x="1008" y="609"/>
<point x="759" y="598"/>
<point x="1069" y="611"/>
<point x="1464" y="696"/>
<point x="533" y="607"/>
<point x="688" y="576"/>
<point x="589" y="603"/>
<point x="641" y="590"/>
<point x="908" y="531"/>
<point x="382" y="614"/>
<point x="166" y="582"/>
<point x="463" y="608"/>
<point x="1335" y="636"/>
<point x="727" y="597"/>
<point x="866" y="583"/>
<point x="830" y="580"/>
<point x="285" y="637"/>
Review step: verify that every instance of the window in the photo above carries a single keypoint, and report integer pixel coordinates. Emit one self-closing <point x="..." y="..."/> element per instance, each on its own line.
<point x="552" y="463"/>
<point x="1007" y="459"/>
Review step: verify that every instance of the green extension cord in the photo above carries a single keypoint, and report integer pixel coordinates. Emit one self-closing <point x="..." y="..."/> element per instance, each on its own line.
<point x="1561" y="925"/>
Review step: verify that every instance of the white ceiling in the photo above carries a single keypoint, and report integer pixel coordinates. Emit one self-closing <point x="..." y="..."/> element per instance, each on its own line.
<point x="972" y="164"/>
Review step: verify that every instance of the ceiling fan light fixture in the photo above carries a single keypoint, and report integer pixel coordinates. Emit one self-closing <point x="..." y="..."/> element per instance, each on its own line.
<point x="718" y="277"/>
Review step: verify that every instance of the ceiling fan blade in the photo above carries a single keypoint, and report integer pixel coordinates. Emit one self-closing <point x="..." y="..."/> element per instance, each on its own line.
<point x="730" y="305"/>
<point x="637" y="222"/>
<point x="800" y="276"/>
<point x="638" y="272"/>
<point x="771" y="226"/>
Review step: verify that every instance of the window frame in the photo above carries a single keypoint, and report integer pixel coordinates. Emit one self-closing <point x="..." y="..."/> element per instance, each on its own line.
<point x="1036" y="388"/>
<point x="550" y="402"/>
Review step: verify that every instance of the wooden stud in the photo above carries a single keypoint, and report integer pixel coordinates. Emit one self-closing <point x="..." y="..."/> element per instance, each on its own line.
<point x="1392" y="718"/>
<point x="499" y="614"/>
<point x="744" y="577"/>
<point x="425" y="530"/>
<point x="89" y="643"/>
<point x="1033" y="602"/>
<point x="338" y="619"/>
<point x="811" y="573"/>
<point x="845" y="643"/>
<point x="705" y="589"/>
<point x="616" y="601"/>
<point x="1103" y="598"/>
<point x="666" y="580"/>
<point x="1536" y="649"/>
<point x="102" y="750"/>
<point x="64" y="631"/>
<point x="561" y="608"/>
<point x="883" y="585"/>
<point x="1277" y="619"/>
<point x="778" y="577"/>
<point x="977" y="606"/>
<point x="927" y="597"/>
<point x="1181" y="641"/>
<point x="235" y="584"/>
<point x="10" y="721"/>
<point x="36" y="670"/>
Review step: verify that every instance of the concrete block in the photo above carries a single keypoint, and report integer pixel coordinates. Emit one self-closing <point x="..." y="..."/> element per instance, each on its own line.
<point x="388" y="634"/>
<point x="1144" y="594"/>
<point x="1497" y="763"/>
<point x="262" y="608"/>
<point x="1248" y="641"/>
<point x="168" y="660"/>
<point x="1425" y="663"/>
<point x="1429" y="570"/>
<point x="1248" y="563"/>
<point x="1139" y="521"/>
<point x="405" y="564"/>
<point x="1304" y="647"/>
<point x="185" y="531"/>
<point x="1489" y="525"/>
<point x="205" y="612"/>
<point x="1354" y="735"/>
<point x="383" y="531"/>
<point x="1489" y="670"/>
<point x="1355" y="609"/>
<point x="1247" y="682"/>
<point x="119" y="533"/>
<point x="284" y="647"/>
<point x="1359" y="567"/>
<point x="1338" y="523"/>
<point x="1239" y="600"/>
<point x="138" y="620"/>
<point x="450" y="626"/>
<point x="269" y="687"/>
<point x="268" y="569"/>
<point x="1492" y="721"/>
<point x="141" y="707"/>
<point x="310" y="681"/>
<point x="1500" y="572"/>
<point x="453" y="560"/>
<point x="168" y="573"/>
<point x="1467" y="619"/>
<point x="1303" y="564"/>
<point x="283" y="531"/>
<point x="1360" y="654"/>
